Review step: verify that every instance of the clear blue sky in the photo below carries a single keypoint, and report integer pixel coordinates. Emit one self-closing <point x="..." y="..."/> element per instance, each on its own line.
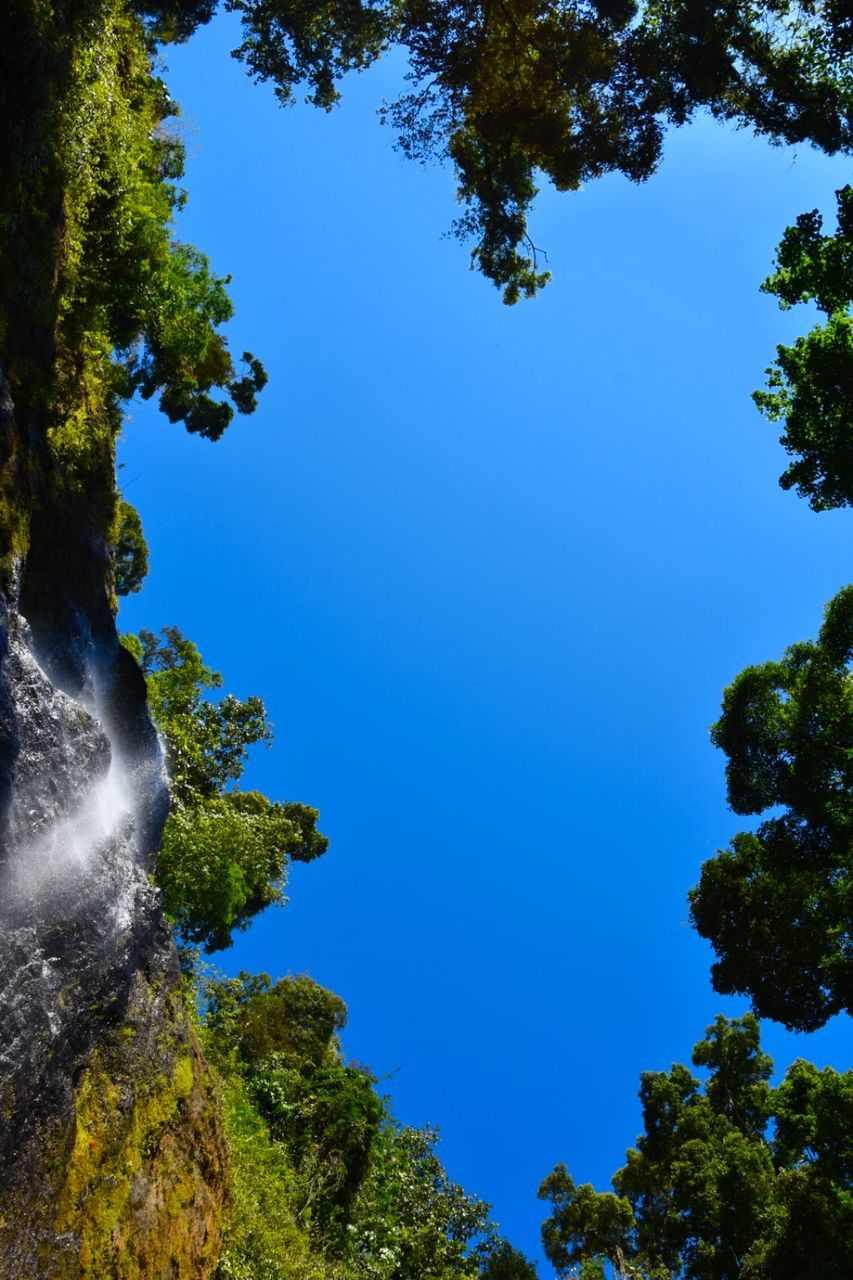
<point x="490" y="570"/>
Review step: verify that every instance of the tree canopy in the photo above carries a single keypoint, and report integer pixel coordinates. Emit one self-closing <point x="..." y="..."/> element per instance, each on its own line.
<point x="731" y="1179"/>
<point x="225" y="852"/>
<point x="107" y="302"/>
<point x="777" y="906"/>
<point x="130" y="558"/>
<point x="371" y="1195"/>
<point x="568" y="90"/>
<point x="810" y="384"/>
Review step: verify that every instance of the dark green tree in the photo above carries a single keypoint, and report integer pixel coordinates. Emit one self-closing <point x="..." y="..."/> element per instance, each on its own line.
<point x="225" y="852"/>
<point x="568" y="90"/>
<point x="295" y="1021"/>
<point x="731" y="1179"/>
<point x="572" y="91"/>
<point x="372" y="1195"/>
<point x="506" y="1263"/>
<point x="811" y="383"/>
<point x="777" y="906"/>
<point x="130" y="555"/>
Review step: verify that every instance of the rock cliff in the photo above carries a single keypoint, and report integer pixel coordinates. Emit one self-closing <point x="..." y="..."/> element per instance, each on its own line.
<point x="112" y="1160"/>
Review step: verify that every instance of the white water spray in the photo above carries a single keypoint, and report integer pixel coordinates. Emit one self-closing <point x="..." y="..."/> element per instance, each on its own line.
<point x="71" y="843"/>
<point x="48" y="850"/>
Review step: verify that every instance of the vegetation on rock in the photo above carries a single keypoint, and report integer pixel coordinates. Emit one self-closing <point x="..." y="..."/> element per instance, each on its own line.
<point x="326" y="1182"/>
<point x="225" y="852"/>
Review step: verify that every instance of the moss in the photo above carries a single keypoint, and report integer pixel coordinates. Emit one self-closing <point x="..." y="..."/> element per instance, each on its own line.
<point x="263" y="1240"/>
<point x="16" y="486"/>
<point x="140" y="1181"/>
<point x="100" y="1170"/>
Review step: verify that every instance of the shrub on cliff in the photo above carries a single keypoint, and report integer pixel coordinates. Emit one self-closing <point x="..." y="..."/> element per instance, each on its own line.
<point x="225" y="852"/>
<point x="354" y="1194"/>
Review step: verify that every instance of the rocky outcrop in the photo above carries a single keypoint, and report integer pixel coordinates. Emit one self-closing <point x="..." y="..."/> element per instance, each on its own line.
<point x="111" y="1154"/>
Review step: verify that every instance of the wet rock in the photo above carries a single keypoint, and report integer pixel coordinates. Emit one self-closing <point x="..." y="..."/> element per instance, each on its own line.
<point x="111" y="1154"/>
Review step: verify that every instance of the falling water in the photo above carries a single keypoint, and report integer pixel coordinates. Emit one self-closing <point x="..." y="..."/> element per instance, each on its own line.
<point x="75" y="819"/>
<point x="70" y="843"/>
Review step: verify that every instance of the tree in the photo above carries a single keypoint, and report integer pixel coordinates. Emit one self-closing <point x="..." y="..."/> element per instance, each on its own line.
<point x="730" y="1180"/>
<point x="506" y="1263"/>
<point x="130" y="557"/>
<point x="224" y="861"/>
<point x="569" y="90"/>
<point x="586" y="1230"/>
<point x="777" y="905"/>
<point x="283" y="1037"/>
<point x="99" y="300"/>
<point x="107" y="302"/>
<point x="207" y="743"/>
<point x="811" y="382"/>
<point x="576" y="90"/>
<point x="373" y="1195"/>
<point x="411" y="1220"/>
<point x="225" y="852"/>
<point x="294" y="1020"/>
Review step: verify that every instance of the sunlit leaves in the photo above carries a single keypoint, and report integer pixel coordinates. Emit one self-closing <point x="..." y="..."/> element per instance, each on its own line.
<point x="810" y="385"/>
<point x="225" y="852"/>
<point x="293" y="42"/>
<point x="372" y="1194"/>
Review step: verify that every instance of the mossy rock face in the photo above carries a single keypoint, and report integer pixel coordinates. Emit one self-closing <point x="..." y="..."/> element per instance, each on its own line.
<point x="135" y="1186"/>
<point x="112" y="1161"/>
<point x="144" y="1185"/>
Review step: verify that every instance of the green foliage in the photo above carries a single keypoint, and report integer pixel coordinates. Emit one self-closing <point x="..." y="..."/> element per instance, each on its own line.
<point x="175" y="20"/>
<point x="296" y="1021"/>
<point x="225" y="860"/>
<point x="506" y="1263"/>
<point x="577" y="90"/>
<point x="262" y="1238"/>
<point x="225" y="852"/>
<point x="130" y="556"/>
<point x="586" y="1229"/>
<point x="571" y="90"/>
<point x="781" y="66"/>
<point x="353" y="1194"/>
<point x="411" y="1220"/>
<point x="730" y="1180"/>
<point x="302" y="42"/>
<point x="183" y="356"/>
<point x="777" y="905"/>
<point x="510" y="91"/>
<point x="207" y="743"/>
<point x="152" y="301"/>
<point x="811" y="383"/>
<point x="282" y="1039"/>
<point x="98" y="300"/>
<point x="329" y="1123"/>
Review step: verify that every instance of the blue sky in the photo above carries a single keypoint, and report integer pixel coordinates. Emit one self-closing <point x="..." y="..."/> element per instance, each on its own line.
<point x="490" y="570"/>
